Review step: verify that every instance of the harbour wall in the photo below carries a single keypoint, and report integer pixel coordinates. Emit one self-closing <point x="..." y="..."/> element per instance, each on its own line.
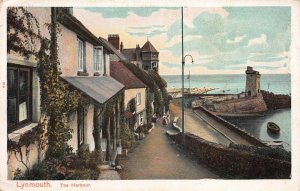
<point x="234" y="163"/>
<point x="233" y="127"/>
<point x="242" y="105"/>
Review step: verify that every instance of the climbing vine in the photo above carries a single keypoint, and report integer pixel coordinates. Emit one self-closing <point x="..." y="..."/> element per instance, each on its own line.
<point x="58" y="99"/>
<point x="23" y="37"/>
<point x="23" y="32"/>
<point x="149" y="109"/>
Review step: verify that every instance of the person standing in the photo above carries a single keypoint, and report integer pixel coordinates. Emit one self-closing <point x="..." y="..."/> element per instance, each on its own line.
<point x="164" y="120"/>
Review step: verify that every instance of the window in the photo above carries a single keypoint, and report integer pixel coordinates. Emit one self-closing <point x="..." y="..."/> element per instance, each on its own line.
<point x="141" y="121"/>
<point x="80" y="122"/>
<point x="81" y="56"/>
<point x="18" y="97"/>
<point x="138" y="99"/>
<point x="98" y="59"/>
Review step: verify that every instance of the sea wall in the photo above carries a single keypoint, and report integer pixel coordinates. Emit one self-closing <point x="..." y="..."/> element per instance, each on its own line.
<point x="274" y="101"/>
<point x="234" y="163"/>
<point x="243" y="105"/>
<point x="234" y="128"/>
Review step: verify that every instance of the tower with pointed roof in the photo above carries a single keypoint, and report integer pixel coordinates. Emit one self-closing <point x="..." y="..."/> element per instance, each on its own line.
<point x="146" y="57"/>
<point x="149" y="56"/>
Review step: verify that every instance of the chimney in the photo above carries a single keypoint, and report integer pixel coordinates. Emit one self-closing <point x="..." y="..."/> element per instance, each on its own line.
<point x="121" y="47"/>
<point x="114" y="39"/>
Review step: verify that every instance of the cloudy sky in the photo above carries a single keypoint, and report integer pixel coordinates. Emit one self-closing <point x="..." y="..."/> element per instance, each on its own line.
<point x="221" y="40"/>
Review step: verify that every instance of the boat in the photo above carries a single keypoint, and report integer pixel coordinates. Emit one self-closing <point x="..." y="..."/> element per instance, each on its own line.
<point x="273" y="127"/>
<point x="274" y="143"/>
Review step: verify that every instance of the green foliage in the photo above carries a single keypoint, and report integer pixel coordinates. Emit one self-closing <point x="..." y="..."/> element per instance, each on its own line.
<point x="142" y="129"/>
<point x="23" y="31"/>
<point x="165" y="98"/>
<point x="158" y="102"/>
<point x="85" y="174"/>
<point x="127" y="137"/>
<point x="131" y="105"/>
<point x="142" y="75"/>
<point x="83" y="166"/>
<point x="149" y="110"/>
<point x="159" y="81"/>
<point x="25" y="140"/>
<point x="58" y="100"/>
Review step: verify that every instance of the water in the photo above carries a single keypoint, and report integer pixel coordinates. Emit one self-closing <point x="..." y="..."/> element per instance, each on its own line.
<point x="257" y="126"/>
<point x="276" y="83"/>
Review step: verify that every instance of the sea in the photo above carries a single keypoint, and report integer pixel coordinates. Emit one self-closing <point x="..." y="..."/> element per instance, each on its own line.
<point x="232" y="84"/>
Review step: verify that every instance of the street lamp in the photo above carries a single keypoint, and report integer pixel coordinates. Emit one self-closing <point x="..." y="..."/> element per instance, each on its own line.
<point x="182" y="93"/>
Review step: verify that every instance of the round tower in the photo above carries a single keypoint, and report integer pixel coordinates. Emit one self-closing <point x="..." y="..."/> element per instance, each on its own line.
<point x="252" y="82"/>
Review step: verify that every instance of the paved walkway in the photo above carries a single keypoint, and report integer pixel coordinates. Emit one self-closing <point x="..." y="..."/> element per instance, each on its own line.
<point x="204" y="126"/>
<point x="157" y="157"/>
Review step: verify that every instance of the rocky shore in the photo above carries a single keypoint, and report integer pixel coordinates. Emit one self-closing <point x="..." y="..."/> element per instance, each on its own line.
<point x="274" y="101"/>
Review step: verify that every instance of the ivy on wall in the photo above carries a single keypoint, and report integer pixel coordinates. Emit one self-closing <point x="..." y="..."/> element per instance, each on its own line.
<point x="58" y="99"/>
<point x="23" y="36"/>
<point x="23" y="32"/>
<point x="149" y="109"/>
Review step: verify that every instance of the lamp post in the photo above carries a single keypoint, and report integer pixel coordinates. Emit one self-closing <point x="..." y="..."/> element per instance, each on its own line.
<point x="182" y="78"/>
<point x="182" y="94"/>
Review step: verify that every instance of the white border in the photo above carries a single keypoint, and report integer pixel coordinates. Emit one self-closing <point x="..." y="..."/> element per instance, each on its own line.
<point x="174" y="185"/>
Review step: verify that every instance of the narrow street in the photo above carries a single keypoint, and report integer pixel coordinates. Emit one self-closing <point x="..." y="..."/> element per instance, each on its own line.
<point x="157" y="157"/>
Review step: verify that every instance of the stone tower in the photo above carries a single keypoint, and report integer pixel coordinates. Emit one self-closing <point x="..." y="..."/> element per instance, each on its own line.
<point x="149" y="57"/>
<point x="252" y="82"/>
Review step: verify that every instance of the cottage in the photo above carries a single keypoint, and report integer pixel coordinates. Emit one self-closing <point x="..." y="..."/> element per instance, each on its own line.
<point x="85" y="64"/>
<point x="135" y="90"/>
<point x="23" y="87"/>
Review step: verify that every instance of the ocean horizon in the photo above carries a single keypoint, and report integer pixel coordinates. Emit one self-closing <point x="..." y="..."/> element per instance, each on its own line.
<point x="232" y="83"/>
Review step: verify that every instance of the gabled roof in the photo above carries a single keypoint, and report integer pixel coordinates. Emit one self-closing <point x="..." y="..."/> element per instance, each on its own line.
<point x="122" y="74"/>
<point x="148" y="47"/>
<point x="129" y="53"/>
<point x="72" y="23"/>
<point x="100" y="89"/>
<point x="114" y="50"/>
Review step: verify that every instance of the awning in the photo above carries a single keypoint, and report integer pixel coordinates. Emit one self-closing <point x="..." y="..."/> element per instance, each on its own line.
<point x="100" y="89"/>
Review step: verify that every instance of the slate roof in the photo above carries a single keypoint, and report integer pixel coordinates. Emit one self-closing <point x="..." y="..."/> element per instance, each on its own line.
<point x="129" y="53"/>
<point x="157" y="78"/>
<point x="72" y="23"/>
<point x="148" y="47"/>
<point x="122" y="74"/>
<point x="100" y="89"/>
<point x="115" y="51"/>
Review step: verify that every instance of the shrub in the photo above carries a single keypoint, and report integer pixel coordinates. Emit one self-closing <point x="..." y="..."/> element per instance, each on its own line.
<point x="127" y="137"/>
<point x="83" y="166"/>
<point x="85" y="174"/>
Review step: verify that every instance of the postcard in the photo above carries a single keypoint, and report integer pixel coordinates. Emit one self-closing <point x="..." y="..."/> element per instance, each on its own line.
<point x="137" y="95"/>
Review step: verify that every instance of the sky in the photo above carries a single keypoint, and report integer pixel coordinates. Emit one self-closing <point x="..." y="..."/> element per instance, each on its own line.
<point x="221" y="40"/>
